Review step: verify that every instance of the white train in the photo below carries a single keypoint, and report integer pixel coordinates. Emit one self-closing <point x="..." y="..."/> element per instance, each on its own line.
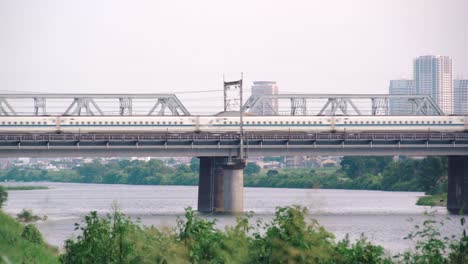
<point x="220" y="124"/>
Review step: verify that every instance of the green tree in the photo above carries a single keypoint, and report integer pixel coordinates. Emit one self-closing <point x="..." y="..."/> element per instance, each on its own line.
<point x="195" y="165"/>
<point x="432" y="173"/>
<point x="251" y="168"/>
<point x="3" y="195"/>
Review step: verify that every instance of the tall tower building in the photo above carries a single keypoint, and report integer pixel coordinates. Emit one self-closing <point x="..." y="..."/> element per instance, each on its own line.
<point x="433" y="76"/>
<point x="269" y="107"/>
<point x="400" y="87"/>
<point x="460" y="95"/>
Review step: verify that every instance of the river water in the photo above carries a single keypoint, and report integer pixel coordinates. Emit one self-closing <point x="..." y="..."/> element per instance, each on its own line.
<point x="384" y="217"/>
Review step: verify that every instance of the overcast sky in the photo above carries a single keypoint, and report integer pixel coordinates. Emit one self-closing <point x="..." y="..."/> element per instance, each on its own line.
<point x="173" y="46"/>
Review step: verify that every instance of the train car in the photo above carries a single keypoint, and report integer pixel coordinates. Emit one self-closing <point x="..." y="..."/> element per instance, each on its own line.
<point x="226" y="124"/>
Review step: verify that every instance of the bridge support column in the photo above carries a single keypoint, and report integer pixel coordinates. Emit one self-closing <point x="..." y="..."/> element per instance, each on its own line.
<point x="457" y="184"/>
<point x="221" y="185"/>
<point x="234" y="188"/>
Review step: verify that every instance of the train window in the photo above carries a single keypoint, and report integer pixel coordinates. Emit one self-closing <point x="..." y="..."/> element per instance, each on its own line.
<point x="89" y="123"/>
<point x="105" y="123"/>
<point x="112" y="122"/>
<point x="384" y="122"/>
<point x="417" y="122"/>
<point x="346" y="122"/>
<point x="39" y="122"/>
<point x="276" y="122"/>
<point x="21" y="122"/>
<point x="152" y="122"/>
<point x="406" y="122"/>
<point x="411" y="122"/>
<point x="157" y="123"/>
<point x="281" y="122"/>
<point x="292" y="122"/>
<point x="445" y="122"/>
<point x="27" y="122"/>
<point x="247" y="122"/>
<point x="14" y="123"/>
<point x="181" y="122"/>
<point x="320" y="122"/>
<point x="9" y="122"/>
<point x="230" y="122"/>
<point x="169" y="122"/>
<point x="303" y="122"/>
<point x="100" y="122"/>
<point x="33" y="123"/>
<point x="117" y="123"/>
<point x="225" y="122"/>
<point x="439" y="122"/>
<point x="450" y="122"/>
<point x="286" y="122"/>
<point x="237" y="123"/>
<point x="147" y="122"/>
<point x="362" y="122"/>
<point x="141" y="123"/>
<point x="269" y="122"/>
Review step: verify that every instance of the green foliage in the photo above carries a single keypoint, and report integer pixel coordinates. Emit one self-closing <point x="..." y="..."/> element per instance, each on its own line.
<point x="357" y="166"/>
<point x="360" y="252"/>
<point x="3" y="195"/>
<point x="430" y="247"/>
<point x="25" y="188"/>
<point x="251" y="168"/>
<point x="103" y="240"/>
<point x="433" y="200"/>
<point x="17" y="247"/>
<point x="32" y="234"/>
<point x="27" y="216"/>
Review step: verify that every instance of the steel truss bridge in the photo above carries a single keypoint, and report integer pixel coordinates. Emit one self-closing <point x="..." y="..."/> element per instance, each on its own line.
<point x="227" y="145"/>
<point x="168" y="104"/>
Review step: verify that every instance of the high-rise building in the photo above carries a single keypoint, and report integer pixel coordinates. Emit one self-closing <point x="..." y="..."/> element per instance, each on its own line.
<point x="268" y="107"/>
<point x="460" y="95"/>
<point x="400" y="87"/>
<point x="433" y="76"/>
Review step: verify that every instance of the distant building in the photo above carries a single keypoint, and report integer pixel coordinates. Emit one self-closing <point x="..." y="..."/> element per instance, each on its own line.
<point x="460" y="95"/>
<point x="400" y="87"/>
<point x="433" y="76"/>
<point x="269" y="107"/>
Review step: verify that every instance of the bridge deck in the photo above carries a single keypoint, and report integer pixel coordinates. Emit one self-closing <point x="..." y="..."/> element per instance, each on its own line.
<point x="227" y="144"/>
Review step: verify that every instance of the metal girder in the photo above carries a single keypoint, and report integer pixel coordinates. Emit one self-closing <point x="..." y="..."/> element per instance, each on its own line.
<point x="91" y="104"/>
<point x="341" y="104"/>
<point x="5" y="107"/>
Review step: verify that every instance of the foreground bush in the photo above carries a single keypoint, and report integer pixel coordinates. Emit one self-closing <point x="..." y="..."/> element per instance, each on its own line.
<point x="288" y="238"/>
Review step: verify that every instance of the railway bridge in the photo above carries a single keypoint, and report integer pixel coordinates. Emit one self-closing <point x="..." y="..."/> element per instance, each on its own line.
<point x="222" y="155"/>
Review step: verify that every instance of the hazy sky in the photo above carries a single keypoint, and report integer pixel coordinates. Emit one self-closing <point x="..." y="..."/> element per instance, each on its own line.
<point x="172" y="46"/>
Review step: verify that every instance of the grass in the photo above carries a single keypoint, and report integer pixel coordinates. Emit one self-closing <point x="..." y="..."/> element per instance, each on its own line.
<point x="25" y="188"/>
<point x="17" y="249"/>
<point x="433" y="200"/>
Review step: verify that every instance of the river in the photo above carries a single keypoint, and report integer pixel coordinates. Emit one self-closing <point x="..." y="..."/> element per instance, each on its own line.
<point x="384" y="217"/>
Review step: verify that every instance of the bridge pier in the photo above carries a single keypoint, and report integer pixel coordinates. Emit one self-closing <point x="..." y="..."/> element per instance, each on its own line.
<point x="457" y="201"/>
<point x="221" y="185"/>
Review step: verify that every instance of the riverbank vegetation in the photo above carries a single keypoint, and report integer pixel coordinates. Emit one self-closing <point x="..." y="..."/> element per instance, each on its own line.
<point x="365" y="173"/>
<point x="23" y="244"/>
<point x="290" y="237"/>
<point x="433" y="200"/>
<point x="25" y="188"/>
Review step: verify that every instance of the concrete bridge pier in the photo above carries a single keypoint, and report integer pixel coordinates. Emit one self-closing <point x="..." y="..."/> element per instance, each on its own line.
<point x="221" y="185"/>
<point x="457" y="201"/>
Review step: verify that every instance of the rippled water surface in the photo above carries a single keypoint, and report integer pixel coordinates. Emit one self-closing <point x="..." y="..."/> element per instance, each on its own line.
<point x="384" y="217"/>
